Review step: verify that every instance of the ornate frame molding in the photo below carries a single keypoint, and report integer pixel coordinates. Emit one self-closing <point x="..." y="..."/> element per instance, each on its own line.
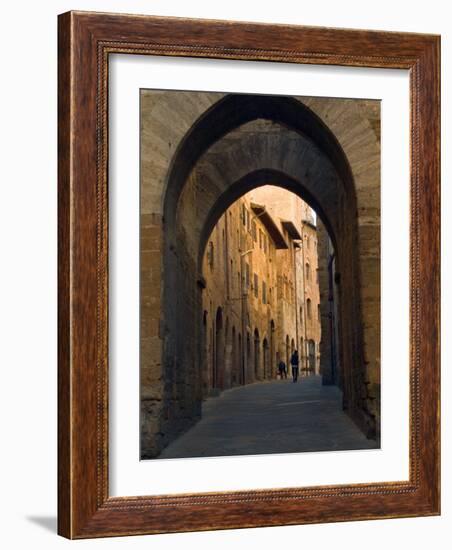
<point x="85" y="42"/>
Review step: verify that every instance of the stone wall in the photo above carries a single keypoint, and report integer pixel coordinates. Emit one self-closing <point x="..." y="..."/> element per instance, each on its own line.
<point x="330" y="367"/>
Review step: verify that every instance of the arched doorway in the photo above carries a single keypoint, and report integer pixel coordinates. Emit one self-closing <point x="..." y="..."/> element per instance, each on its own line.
<point x="292" y="349"/>
<point x="225" y="382"/>
<point x="205" y="354"/>
<point x="309" y="309"/>
<point x="265" y="359"/>
<point x="257" y="356"/>
<point x="235" y="370"/>
<point x="273" y="359"/>
<point x="247" y="366"/>
<point x="218" y="365"/>
<point x="287" y="353"/>
<point x="311" y="356"/>
<point x="241" y="361"/>
<point x="302" y="354"/>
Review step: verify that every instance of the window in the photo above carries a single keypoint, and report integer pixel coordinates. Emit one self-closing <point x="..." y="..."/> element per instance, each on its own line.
<point x="308" y="272"/>
<point x="264" y="292"/>
<point x="244" y="213"/>
<point x="254" y="230"/>
<point x="308" y="243"/>
<point x="247" y="275"/>
<point x="265" y="244"/>
<point x="256" y="286"/>
<point x="260" y="238"/>
<point x="308" y="308"/>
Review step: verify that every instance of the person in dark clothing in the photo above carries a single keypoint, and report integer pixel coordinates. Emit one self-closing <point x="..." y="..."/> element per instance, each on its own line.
<point x="294" y="362"/>
<point x="282" y="369"/>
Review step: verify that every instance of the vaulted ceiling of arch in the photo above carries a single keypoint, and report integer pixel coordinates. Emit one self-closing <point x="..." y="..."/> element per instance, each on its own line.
<point x="255" y="146"/>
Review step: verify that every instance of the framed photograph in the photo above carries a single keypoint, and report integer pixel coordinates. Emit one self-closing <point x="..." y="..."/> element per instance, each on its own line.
<point x="248" y="275"/>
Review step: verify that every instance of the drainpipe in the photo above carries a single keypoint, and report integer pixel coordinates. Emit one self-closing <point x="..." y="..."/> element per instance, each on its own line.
<point x="304" y="298"/>
<point x="244" y="293"/>
<point x="295" y="250"/>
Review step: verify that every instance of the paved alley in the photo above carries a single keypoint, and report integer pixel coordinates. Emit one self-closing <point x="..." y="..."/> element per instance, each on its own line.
<point x="271" y="417"/>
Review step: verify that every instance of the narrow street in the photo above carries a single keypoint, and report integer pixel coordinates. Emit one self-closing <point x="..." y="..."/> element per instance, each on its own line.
<point x="271" y="417"/>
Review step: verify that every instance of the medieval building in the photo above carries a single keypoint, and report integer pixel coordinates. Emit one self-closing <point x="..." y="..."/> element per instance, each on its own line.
<point x="261" y="295"/>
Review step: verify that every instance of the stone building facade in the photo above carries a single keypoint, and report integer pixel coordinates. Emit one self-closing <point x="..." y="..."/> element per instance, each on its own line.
<point x="255" y="293"/>
<point x="298" y="270"/>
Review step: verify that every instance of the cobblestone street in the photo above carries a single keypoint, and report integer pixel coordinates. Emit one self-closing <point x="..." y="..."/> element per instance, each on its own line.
<point x="271" y="417"/>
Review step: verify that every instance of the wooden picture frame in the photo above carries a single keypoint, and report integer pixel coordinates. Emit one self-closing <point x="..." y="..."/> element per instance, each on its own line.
<point x="85" y="508"/>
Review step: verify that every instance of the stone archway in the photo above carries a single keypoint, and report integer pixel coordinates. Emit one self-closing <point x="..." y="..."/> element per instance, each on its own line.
<point x="223" y="155"/>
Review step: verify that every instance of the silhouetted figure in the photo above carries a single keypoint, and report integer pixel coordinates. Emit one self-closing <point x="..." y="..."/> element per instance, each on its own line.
<point x="294" y="362"/>
<point x="282" y="369"/>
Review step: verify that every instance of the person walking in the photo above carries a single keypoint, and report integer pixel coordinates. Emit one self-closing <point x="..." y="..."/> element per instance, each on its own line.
<point x="282" y="369"/>
<point x="294" y="362"/>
